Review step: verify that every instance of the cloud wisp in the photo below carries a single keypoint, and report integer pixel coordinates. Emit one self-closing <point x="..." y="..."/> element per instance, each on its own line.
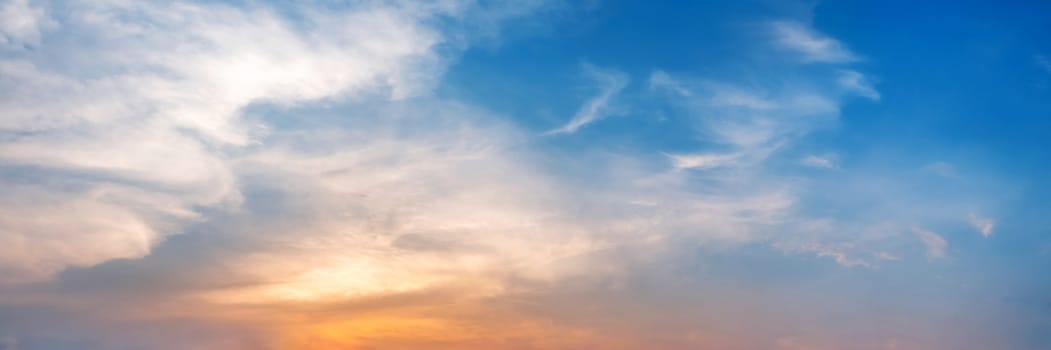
<point x="983" y="225"/>
<point x="859" y="84"/>
<point x="825" y="162"/>
<point x="934" y="242"/>
<point x="811" y="45"/>
<point x="610" y="83"/>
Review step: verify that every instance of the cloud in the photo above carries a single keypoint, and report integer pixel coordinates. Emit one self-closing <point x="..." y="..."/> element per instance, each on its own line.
<point x="935" y="243"/>
<point x="610" y="83"/>
<point x="662" y="80"/>
<point x="433" y="174"/>
<point x="857" y="83"/>
<point x="840" y="254"/>
<point x="985" y="226"/>
<point x="844" y="253"/>
<point x="330" y="206"/>
<point x="146" y="135"/>
<point x="238" y="176"/>
<point x="819" y="162"/>
<point x="754" y="118"/>
<point x="748" y="127"/>
<point x="318" y="162"/>
<point x="702" y="161"/>
<point x="810" y="44"/>
<point x="22" y="24"/>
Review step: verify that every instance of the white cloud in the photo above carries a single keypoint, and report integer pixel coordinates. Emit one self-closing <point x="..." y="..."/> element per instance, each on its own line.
<point x="841" y="254"/>
<point x="139" y="113"/>
<point x="610" y="83"/>
<point x="857" y="83"/>
<point x="936" y="245"/>
<point x="747" y="127"/>
<point x="351" y="185"/>
<point x="156" y="134"/>
<point x="703" y="161"/>
<point x="844" y="253"/>
<point x="985" y="226"/>
<point x="42" y="232"/>
<point x="662" y="80"/>
<point x="753" y="120"/>
<point x="812" y="45"/>
<point x="422" y="199"/>
<point x="22" y="24"/>
<point x="434" y="197"/>
<point x="748" y="124"/>
<point x="819" y="162"/>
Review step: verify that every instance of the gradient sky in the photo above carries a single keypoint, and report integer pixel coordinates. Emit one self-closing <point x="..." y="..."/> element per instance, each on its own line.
<point x="542" y="174"/>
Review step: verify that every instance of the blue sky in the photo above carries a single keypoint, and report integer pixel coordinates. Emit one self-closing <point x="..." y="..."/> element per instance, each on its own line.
<point x="525" y="175"/>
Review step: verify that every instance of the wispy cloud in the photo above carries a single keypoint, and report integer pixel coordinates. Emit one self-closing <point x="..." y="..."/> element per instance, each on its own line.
<point x="749" y="126"/>
<point x="810" y="44"/>
<point x="825" y="162"/>
<point x="662" y="80"/>
<point x="840" y="253"/>
<point x="702" y="161"/>
<point x="857" y="83"/>
<point x="936" y="245"/>
<point x="610" y="83"/>
<point x="984" y="225"/>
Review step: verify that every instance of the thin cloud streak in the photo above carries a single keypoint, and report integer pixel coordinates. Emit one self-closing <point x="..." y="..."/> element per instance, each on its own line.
<point x="934" y="242"/>
<point x="858" y="83"/>
<point x="811" y="45"/>
<point x="610" y="83"/>
<point x="819" y="162"/>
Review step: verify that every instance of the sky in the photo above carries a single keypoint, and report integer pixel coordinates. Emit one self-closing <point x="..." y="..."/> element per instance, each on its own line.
<point x="535" y="174"/>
